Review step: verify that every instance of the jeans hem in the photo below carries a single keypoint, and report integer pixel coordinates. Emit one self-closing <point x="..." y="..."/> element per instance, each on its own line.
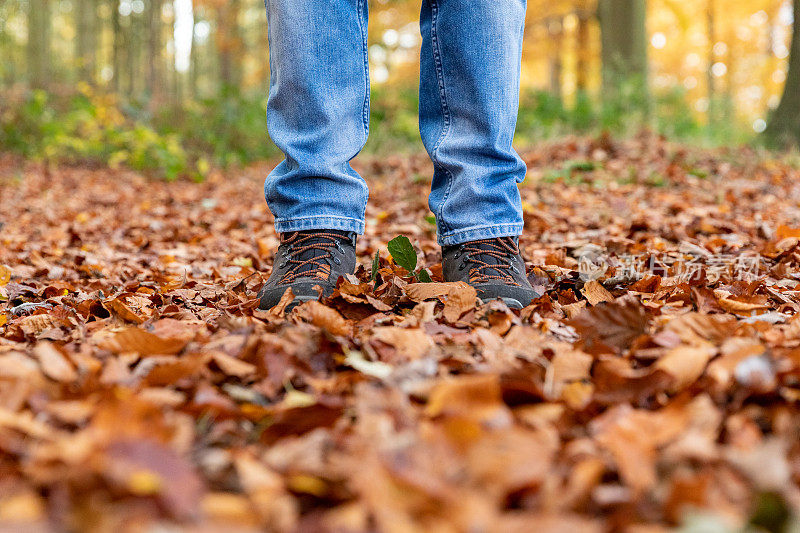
<point x="320" y="222"/>
<point x="475" y="233"/>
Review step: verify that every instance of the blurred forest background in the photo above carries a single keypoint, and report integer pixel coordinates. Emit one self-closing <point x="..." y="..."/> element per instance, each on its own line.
<point x="179" y="86"/>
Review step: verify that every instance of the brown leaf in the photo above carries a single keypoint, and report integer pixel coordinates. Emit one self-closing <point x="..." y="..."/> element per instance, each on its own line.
<point x="596" y="293"/>
<point x="54" y="364"/>
<point x="610" y="327"/>
<point x="410" y="343"/>
<point x="35" y="324"/>
<point x="280" y="309"/>
<point x="137" y="340"/>
<point x="147" y="468"/>
<point x="458" y="297"/>
<point x="633" y="437"/>
<point x="419" y="292"/>
<point x="233" y="366"/>
<point x="697" y="328"/>
<point x="324" y="317"/>
<point x="476" y="398"/>
<point x="132" y="308"/>
<point x="685" y="364"/>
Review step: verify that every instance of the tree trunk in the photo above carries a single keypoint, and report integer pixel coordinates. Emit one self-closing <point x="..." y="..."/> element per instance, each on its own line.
<point x="86" y="39"/>
<point x="116" y="47"/>
<point x="583" y="53"/>
<point x="710" y="81"/>
<point x="229" y="43"/>
<point x="8" y="67"/>
<point x="784" y="126"/>
<point x="155" y="71"/>
<point x="131" y="49"/>
<point x="624" y="43"/>
<point x="555" y="29"/>
<point x="38" y="43"/>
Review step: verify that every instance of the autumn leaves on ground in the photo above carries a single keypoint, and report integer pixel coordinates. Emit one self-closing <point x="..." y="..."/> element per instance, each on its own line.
<point x="658" y="376"/>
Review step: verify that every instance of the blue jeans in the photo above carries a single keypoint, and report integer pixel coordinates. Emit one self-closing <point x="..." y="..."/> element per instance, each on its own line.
<point x="318" y="114"/>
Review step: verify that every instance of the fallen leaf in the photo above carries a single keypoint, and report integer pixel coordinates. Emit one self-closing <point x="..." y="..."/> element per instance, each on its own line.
<point x="324" y="317"/>
<point x="595" y="292"/>
<point x="54" y="364"/>
<point x="685" y="364"/>
<point x="137" y="340"/>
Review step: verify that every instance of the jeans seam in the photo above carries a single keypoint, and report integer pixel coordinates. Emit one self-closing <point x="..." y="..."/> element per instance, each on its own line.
<point x="516" y="227"/>
<point x="365" y="50"/>
<point x="437" y="59"/>
<point x="324" y="221"/>
<point x="362" y="5"/>
<point x="485" y="226"/>
<point x="282" y="220"/>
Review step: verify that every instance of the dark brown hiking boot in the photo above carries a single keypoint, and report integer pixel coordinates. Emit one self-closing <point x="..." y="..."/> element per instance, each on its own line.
<point x="305" y="260"/>
<point x="493" y="266"/>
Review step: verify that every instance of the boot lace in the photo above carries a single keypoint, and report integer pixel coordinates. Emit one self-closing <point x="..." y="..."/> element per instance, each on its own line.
<point x="478" y="253"/>
<point x="316" y="266"/>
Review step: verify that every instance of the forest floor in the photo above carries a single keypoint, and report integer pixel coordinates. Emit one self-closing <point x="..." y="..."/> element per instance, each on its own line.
<point x="658" y="375"/>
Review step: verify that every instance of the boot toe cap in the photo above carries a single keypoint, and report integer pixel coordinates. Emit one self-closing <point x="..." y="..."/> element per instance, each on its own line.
<point x="515" y="297"/>
<point x="303" y="291"/>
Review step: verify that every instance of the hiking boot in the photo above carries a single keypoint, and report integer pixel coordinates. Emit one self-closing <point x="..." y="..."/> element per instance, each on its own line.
<point x="493" y="266"/>
<point x="306" y="259"/>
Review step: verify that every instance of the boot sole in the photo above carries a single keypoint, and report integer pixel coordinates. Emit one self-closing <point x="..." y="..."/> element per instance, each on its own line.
<point x="298" y="301"/>
<point x="511" y="303"/>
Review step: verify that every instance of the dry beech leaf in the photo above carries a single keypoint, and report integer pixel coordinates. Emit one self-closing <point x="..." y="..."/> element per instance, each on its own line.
<point x="733" y="352"/>
<point x="147" y="468"/>
<point x="419" y="292"/>
<point x="132" y="308"/>
<point x="458" y="297"/>
<point x="633" y="437"/>
<point x="410" y="343"/>
<point x="610" y="327"/>
<point x="685" y="364"/>
<point x="54" y="364"/>
<point x="477" y="398"/>
<point x="595" y="292"/>
<point x="36" y="324"/>
<point x="137" y="340"/>
<point x="280" y="308"/>
<point x="324" y="317"/>
<point x="697" y="328"/>
<point x="233" y="366"/>
<point x="458" y="301"/>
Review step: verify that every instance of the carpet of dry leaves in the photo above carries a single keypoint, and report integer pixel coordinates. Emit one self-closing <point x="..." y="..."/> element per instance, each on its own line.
<point x="141" y="387"/>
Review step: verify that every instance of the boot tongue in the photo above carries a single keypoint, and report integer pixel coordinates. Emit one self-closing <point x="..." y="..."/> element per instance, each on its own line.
<point x="305" y="240"/>
<point x="490" y="251"/>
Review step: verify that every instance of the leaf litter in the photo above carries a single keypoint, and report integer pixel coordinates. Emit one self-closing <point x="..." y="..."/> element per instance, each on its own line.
<point x="141" y="387"/>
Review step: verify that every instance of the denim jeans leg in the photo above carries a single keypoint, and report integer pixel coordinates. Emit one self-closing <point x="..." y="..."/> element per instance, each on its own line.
<point x="317" y="113"/>
<point x="469" y="100"/>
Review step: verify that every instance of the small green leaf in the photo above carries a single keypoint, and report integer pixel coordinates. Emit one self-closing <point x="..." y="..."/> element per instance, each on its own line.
<point x="424" y="277"/>
<point x="403" y="253"/>
<point x="375" y="264"/>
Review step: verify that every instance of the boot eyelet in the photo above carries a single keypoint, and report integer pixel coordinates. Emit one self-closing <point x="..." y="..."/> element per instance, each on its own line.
<point x="283" y="265"/>
<point x="462" y="266"/>
<point x="339" y="247"/>
<point x="336" y="260"/>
